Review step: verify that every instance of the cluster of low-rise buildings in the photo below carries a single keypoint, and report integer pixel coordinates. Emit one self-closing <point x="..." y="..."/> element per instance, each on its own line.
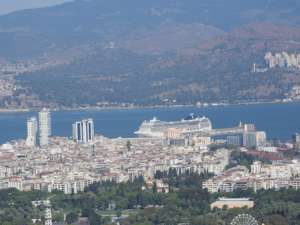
<point x="70" y="167"/>
<point x="282" y="60"/>
<point x="7" y="87"/>
<point x="16" y="68"/>
<point x="277" y="175"/>
<point x="278" y="60"/>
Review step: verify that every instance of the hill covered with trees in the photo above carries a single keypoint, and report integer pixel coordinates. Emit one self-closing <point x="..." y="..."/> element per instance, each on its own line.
<point x="96" y="53"/>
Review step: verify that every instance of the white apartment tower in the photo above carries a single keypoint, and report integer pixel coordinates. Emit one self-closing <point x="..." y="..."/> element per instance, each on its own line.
<point x="83" y="131"/>
<point x="48" y="216"/>
<point x="31" y="132"/>
<point x="44" y="127"/>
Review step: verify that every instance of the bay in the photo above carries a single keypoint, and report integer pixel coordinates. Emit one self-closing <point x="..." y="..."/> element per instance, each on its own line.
<point x="278" y="120"/>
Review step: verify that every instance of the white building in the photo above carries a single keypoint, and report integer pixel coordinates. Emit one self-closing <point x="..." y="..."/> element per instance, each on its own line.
<point x="232" y="203"/>
<point x="31" y="132"/>
<point x="282" y="60"/>
<point x="83" y="131"/>
<point x="44" y="127"/>
<point x="281" y="171"/>
<point x="256" y="167"/>
<point x="48" y="216"/>
<point x="298" y="60"/>
<point x="202" y="142"/>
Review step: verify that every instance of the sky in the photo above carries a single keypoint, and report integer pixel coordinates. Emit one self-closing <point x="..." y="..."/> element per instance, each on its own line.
<point x="7" y="6"/>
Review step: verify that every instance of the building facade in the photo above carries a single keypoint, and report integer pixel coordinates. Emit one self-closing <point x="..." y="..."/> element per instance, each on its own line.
<point x="31" y="132"/>
<point x="44" y="127"/>
<point x="232" y="203"/>
<point x="254" y="139"/>
<point x="83" y="131"/>
<point x="234" y="140"/>
<point x="296" y="141"/>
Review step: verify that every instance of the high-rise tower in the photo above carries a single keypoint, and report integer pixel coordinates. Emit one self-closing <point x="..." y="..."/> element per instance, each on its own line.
<point x="31" y="132"/>
<point x="83" y="131"/>
<point x="44" y="127"/>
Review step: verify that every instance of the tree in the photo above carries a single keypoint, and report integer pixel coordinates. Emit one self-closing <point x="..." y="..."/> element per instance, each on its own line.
<point x="85" y="212"/>
<point x="95" y="219"/>
<point x="71" y="217"/>
<point x="154" y="188"/>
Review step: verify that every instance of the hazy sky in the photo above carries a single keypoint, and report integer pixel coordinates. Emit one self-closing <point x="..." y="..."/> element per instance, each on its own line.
<point x="7" y="6"/>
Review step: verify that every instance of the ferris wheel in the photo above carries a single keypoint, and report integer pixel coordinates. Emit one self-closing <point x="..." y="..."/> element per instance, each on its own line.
<point x="244" y="219"/>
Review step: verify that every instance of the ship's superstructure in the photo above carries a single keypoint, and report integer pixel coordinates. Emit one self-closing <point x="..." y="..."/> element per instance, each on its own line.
<point x="155" y="128"/>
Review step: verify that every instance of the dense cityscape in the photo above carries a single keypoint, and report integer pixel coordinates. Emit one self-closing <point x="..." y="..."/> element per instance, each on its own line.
<point x="149" y="112"/>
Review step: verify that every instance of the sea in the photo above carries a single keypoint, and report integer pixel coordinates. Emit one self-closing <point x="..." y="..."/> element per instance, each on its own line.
<point x="280" y="120"/>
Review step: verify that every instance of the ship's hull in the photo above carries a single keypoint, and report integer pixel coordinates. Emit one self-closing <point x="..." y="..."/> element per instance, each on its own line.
<point x="156" y="129"/>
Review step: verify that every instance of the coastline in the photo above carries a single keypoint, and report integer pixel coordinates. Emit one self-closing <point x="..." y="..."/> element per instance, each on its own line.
<point x="99" y="108"/>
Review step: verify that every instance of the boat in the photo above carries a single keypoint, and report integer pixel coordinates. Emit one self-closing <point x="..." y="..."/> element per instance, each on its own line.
<point x="156" y="128"/>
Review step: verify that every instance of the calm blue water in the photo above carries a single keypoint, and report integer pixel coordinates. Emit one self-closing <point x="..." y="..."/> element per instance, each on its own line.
<point x="278" y="120"/>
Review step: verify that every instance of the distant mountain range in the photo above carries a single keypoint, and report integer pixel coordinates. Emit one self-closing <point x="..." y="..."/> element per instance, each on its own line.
<point x="96" y="52"/>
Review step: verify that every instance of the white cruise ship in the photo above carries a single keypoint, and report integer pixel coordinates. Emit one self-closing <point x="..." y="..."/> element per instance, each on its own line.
<point x="156" y="129"/>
